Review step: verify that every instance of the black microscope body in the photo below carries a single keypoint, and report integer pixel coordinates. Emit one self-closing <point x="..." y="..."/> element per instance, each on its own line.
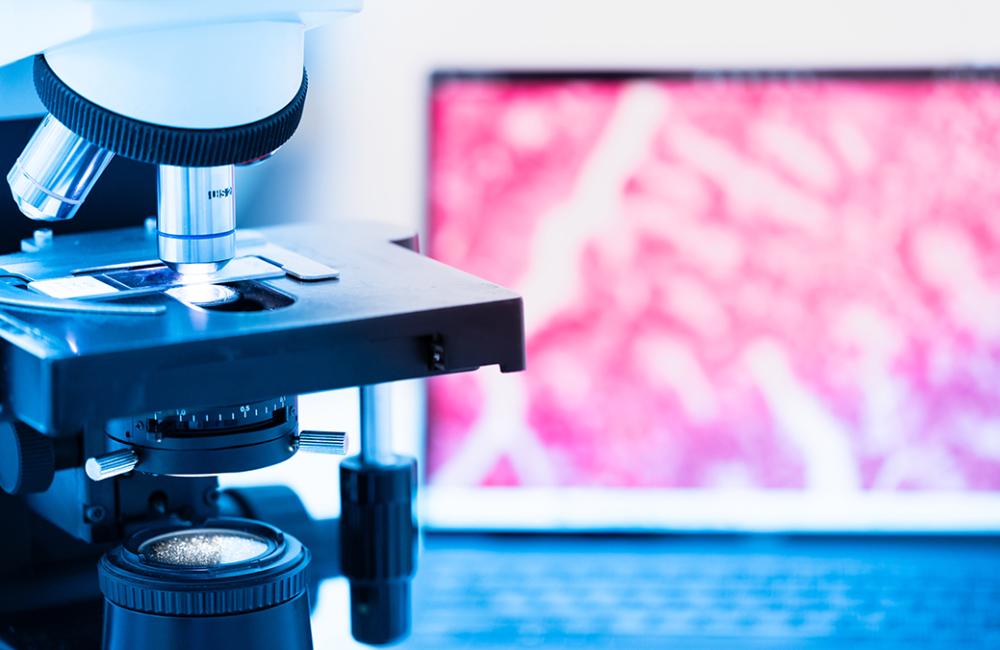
<point x="157" y="402"/>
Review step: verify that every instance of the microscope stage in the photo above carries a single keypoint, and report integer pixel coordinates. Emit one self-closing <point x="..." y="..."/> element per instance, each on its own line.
<point x="385" y="313"/>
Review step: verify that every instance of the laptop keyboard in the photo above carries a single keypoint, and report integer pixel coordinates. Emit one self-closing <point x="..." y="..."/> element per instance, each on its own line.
<point x="649" y="595"/>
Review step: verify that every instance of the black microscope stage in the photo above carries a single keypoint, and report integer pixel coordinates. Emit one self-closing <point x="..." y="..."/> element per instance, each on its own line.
<point x="391" y="314"/>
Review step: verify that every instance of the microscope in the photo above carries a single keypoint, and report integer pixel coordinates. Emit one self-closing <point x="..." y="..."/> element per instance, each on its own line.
<point x="141" y="363"/>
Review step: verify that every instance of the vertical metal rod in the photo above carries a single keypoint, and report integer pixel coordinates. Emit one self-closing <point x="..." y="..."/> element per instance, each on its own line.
<point x="376" y="437"/>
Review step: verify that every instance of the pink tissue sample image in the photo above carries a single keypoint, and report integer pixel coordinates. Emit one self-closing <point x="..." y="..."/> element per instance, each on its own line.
<point x="728" y="283"/>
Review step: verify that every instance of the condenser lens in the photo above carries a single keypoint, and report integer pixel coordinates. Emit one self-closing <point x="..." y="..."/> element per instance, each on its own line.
<point x="204" y="295"/>
<point x="203" y="548"/>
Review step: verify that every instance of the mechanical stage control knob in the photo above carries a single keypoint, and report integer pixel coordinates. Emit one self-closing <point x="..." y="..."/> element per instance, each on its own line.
<point x="322" y="442"/>
<point x="110" y="465"/>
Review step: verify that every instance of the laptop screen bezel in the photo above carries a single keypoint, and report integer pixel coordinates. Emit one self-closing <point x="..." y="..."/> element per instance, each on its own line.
<point x="579" y="509"/>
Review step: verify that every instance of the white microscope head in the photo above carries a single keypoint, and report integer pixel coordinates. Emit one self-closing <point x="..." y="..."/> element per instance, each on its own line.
<point x="193" y="87"/>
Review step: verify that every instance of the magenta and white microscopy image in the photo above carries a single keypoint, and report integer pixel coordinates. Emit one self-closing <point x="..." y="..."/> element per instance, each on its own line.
<point x="727" y="283"/>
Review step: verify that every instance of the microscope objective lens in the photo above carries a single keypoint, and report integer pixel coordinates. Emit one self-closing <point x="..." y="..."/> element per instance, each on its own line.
<point x="203" y="548"/>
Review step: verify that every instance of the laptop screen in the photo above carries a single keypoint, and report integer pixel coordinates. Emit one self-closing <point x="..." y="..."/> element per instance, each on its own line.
<point x="754" y="301"/>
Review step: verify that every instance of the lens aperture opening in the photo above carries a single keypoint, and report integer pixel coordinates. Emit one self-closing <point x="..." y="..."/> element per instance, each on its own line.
<point x="204" y="548"/>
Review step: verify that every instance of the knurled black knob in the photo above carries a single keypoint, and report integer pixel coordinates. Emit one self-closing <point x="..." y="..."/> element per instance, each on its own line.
<point x="378" y="545"/>
<point x="27" y="459"/>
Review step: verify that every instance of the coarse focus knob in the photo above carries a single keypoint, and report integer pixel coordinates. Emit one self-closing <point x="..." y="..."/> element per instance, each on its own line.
<point x="378" y="545"/>
<point x="107" y="466"/>
<point x="27" y="460"/>
<point x="322" y="442"/>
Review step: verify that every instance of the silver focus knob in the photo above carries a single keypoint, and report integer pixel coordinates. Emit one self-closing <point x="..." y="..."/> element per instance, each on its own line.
<point x="322" y="442"/>
<point x="116" y="463"/>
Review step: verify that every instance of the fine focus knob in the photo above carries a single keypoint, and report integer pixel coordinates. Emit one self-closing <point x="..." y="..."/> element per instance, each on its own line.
<point x="27" y="460"/>
<point x="110" y="465"/>
<point x="322" y="442"/>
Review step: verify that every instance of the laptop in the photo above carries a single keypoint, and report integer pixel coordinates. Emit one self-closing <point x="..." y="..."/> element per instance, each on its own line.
<point x="763" y="336"/>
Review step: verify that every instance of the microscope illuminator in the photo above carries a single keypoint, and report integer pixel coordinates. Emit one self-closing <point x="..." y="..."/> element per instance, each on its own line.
<point x="244" y="582"/>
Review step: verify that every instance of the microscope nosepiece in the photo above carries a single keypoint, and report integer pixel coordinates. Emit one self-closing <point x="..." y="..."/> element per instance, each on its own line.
<point x="55" y="172"/>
